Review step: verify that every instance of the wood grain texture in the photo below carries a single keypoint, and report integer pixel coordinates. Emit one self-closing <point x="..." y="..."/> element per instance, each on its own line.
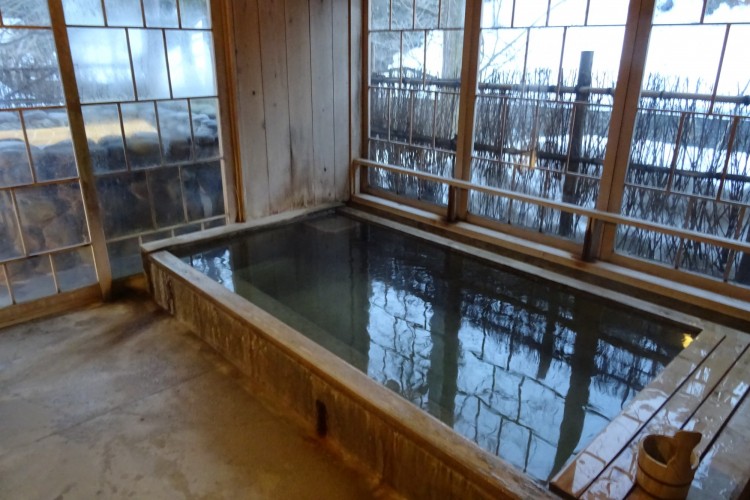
<point x="341" y="96"/>
<point x="251" y="107"/>
<point x="299" y="76"/>
<point x="276" y="103"/>
<point x="321" y="47"/>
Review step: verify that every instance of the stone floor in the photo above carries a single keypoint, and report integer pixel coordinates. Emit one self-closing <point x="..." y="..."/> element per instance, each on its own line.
<point x="121" y="401"/>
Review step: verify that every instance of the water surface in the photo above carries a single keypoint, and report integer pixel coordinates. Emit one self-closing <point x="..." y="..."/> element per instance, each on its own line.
<point x="526" y="369"/>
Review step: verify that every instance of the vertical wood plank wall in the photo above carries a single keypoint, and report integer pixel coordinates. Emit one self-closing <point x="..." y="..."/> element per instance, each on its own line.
<point x="293" y="91"/>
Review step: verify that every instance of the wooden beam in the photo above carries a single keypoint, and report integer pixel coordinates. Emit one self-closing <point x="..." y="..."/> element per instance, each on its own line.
<point x="81" y="148"/>
<point x="622" y="123"/>
<point x="597" y="215"/>
<point x="222" y="29"/>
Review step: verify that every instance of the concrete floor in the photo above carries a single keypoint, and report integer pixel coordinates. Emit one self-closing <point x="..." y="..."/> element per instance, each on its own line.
<point x="121" y="401"/>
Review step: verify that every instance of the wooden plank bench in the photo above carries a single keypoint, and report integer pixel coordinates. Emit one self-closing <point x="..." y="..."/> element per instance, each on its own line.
<point x="705" y="388"/>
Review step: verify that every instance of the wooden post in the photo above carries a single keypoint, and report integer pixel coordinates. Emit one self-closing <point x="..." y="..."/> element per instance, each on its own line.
<point x="222" y="30"/>
<point x="462" y="170"/>
<point x="622" y="123"/>
<point x="570" y="185"/>
<point x="81" y="147"/>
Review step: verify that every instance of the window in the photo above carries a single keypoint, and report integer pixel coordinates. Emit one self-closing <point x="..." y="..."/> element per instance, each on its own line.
<point x="562" y="135"/>
<point x="44" y="237"/>
<point x="147" y="83"/>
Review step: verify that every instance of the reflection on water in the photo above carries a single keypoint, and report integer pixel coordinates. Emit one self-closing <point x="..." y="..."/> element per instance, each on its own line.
<point x="524" y="368"/>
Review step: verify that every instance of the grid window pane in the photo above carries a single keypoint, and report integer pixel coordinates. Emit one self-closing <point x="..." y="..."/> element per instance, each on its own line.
<point x="102" y="65"/>
<point x="104" y="134"/>
<point x="141" y="135"/>
<point x="124" y="13"/>
<point x="166" y="187"/>
<point x="149" y="63"/>
<point x="83" y="12"/>
<point x="202" y="186"/>
<point x="25" y="13"/>
<point x="52" y="216"/>
<point x="195" y="14"/>
<point x="205" y="114"/>
<point x="11" y="245"/>
<point x="160" y="13"/>
<point x="74" y="269"/>
<point x="5" y="298"/>
<point x="125" y="204"/>
<point x="14" y="158"/>
<point x="176" y="132"/>
<point x="51" y="145"/>
<point x="191" y="63"/>
<point x="31" y="278"/>
<point x="28" y="65"/>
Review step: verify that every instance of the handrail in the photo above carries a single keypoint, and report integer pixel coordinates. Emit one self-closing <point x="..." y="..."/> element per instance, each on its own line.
<point x="591" y="214"/>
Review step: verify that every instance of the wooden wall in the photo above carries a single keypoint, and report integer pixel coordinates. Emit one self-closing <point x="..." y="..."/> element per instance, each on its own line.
<point x="292" y="79"/>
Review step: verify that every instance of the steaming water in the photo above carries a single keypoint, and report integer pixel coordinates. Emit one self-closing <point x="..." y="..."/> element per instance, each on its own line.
<point x="524" y="368"/>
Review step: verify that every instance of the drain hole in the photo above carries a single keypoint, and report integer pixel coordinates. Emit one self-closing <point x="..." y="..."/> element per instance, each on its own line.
<point x="321" y="418"/>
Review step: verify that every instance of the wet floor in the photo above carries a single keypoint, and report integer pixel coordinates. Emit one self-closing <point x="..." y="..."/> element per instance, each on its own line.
<point x="122" y="401"/>
<point x="526" y="369"/>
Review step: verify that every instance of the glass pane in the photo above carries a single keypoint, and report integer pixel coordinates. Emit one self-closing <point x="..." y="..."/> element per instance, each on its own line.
<point x="195" y="14"/>
<point x="5" y="299"/>
<point x="191" y="63"/>
<point x="206" y="128"/>
<point x="102" y="65"/>
<point x="452" y="13"/>
<point x="497" y="14"/>
<point x="149" y="63"/>
<point x="123" y="12"/>
<point x="613" y="12"/>
<point x="677" y="12"/>
<point x="683" y="58"/>
<point x="14" y="159"/>
<point x="83" y="12"/>
<point x="28" y="65"/>
<point x="426" y="14"/>
<point x="606" y="56"/>
<point x="176" y="136"/>
<point x="385" y="55"/>
<point x="214" y="223"/>
<point x="31" y="279"/>
<point x="204" y="197"/>
<point x="48" y="133"/>
<point x="543" y="55"/>
<point x="735" y="71"/>
<point x="74" y="269"/>
<point x="166" y="187"/>
<point x="160" y="13"/>
<point x="125" y="204"/>
<point x="10" y="238"/>
<point x="731" y="11"/>
<point x="380" y="14"/>
<point x="413" y="54"/>
<point x="51" y="216"/>
<point x="25" y="13"/>
<point x="156" y="236"/>
<point x="141" y="135"/>
<point x="125" y="258"/>
<point x="402" y="15"/>
<point x="190" y="228"/>
<point x="568" y="13"/>
<point x="530" y="13"/>
<point x="104" y="137"/>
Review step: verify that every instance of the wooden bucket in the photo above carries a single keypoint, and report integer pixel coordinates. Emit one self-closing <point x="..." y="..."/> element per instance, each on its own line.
<point x="666" y="465"/>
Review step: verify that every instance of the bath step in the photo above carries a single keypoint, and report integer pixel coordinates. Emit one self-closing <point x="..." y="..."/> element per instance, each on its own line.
<point x="705" y="389"/>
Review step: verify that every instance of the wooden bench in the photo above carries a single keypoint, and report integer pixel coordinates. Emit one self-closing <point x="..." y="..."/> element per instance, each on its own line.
<point x="706" y="389"/>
